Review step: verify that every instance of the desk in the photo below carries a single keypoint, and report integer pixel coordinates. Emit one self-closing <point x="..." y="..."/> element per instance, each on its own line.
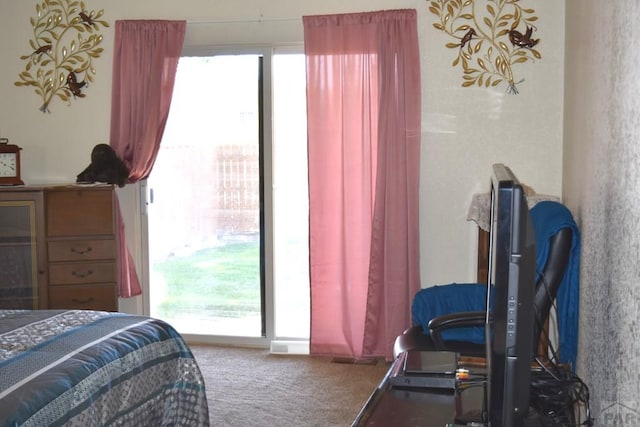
<point x="404" y="407"/>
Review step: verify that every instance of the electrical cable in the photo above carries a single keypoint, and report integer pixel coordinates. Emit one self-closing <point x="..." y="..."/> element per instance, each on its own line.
<point x="558" y="395"/>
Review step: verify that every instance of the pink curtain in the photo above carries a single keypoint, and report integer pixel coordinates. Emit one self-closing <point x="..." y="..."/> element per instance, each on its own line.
<point x="146" y="54"/>
<point x="363" y="107"/>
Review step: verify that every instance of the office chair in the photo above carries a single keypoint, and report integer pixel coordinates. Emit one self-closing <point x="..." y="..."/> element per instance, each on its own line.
<point x="547" y="285"/>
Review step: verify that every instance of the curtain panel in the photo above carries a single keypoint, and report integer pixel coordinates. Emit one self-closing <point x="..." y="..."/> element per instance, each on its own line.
<point x="363" y="107"/>
<point x="146" y="55"/>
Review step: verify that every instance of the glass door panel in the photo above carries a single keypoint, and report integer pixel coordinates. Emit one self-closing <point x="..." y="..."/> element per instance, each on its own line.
<point x="18" y="255"/>
<point x="204" y="216"/>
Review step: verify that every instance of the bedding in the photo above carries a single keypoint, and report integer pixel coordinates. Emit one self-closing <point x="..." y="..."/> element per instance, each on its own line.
<point x="93" y="368"/>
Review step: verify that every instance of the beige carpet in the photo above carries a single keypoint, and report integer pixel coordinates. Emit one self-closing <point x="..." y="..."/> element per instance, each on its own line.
<point x="252" y="388"/>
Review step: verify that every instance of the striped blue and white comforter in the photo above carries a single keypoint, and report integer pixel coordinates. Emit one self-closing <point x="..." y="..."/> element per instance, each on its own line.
<point x="92" y="368"/>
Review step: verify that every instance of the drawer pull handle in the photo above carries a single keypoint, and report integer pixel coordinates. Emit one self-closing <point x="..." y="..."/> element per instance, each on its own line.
<point x="82" y="301"/>
<point x="81" y="251"/>
<point x="81" y="274"/>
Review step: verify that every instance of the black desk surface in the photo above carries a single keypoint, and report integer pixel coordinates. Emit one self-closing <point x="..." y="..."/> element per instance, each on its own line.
<point x="408" y="407"/>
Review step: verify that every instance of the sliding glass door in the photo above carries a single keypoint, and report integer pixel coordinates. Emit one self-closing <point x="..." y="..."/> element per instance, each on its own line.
<point x="227" y="204"/>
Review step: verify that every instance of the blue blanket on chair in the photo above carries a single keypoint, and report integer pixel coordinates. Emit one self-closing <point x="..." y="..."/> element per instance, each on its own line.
<point x="452" y="298"/>
<point x="547" y="217"/>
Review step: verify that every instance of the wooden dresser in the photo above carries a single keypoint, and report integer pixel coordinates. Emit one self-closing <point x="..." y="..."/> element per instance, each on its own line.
<point x="81" y="247"/>
<point x="77" y="267"/>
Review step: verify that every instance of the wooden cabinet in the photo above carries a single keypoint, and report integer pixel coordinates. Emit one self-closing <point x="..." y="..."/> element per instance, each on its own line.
<point x="81" y="247"/>
<point x="58" y="247"/>
<point x="23" y="275"/>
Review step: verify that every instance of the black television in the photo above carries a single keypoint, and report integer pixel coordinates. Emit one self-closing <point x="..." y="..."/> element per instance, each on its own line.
<point x="510" y="323"/>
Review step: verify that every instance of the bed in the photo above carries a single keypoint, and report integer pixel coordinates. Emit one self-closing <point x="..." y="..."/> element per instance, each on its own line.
<point x="93" y="368"/>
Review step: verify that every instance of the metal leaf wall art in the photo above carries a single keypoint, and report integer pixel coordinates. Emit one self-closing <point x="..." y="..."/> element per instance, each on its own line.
<point x="491" y="38"/>
<point x="65" y="42"/>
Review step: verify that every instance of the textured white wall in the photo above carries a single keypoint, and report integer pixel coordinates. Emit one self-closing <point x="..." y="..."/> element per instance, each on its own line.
<point x="465" y="130"/>
<point x="602" y="185"/>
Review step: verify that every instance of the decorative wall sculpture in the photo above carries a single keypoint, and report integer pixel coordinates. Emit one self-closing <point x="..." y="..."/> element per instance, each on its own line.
<point x="65" y="41"/>
<point x="492" y="37"/>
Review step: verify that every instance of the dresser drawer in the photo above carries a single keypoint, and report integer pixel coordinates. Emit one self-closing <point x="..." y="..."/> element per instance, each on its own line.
<point x="80" y="250"/>
<point x="84" y="297"/>
<point x="81" y="272"/>
<point x="80" y="212"/>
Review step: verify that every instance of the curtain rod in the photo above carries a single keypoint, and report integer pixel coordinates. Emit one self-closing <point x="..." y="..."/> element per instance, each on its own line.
<point x="244" y="21"/>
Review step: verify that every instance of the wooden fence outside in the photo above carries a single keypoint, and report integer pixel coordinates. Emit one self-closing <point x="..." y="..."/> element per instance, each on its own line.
<point x="213" y="195"/>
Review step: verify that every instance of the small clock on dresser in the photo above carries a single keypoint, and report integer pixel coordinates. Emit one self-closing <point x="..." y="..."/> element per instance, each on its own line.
<point x="9" y="163"/>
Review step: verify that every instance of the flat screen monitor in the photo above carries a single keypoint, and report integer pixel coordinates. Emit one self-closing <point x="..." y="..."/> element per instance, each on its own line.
<point x="512" y="265"/>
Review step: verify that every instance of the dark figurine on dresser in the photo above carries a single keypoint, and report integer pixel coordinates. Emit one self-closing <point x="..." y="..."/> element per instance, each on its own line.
<point x="105" y="166"/>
